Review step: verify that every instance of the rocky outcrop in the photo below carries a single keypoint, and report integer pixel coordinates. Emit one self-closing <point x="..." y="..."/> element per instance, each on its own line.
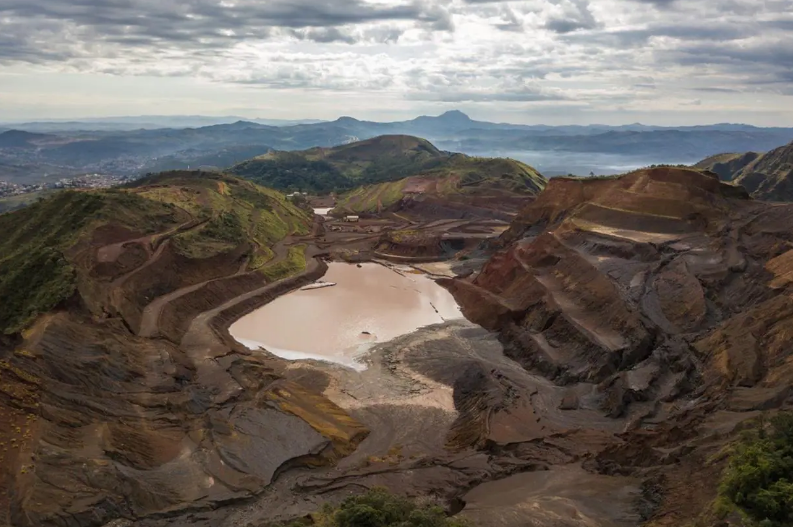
<point x="665" y="287"/>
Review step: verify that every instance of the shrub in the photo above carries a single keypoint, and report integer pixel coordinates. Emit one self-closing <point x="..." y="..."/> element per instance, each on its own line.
<point x="759" y="478"/>
<point x="380" y="508"/>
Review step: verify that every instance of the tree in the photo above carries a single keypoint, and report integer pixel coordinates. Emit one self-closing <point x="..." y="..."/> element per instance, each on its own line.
<point x="759" y="478"/>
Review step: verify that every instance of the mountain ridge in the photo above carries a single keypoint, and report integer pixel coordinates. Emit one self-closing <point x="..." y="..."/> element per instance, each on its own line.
<point x="767" y="176"/>
<point x="140" y="150"/>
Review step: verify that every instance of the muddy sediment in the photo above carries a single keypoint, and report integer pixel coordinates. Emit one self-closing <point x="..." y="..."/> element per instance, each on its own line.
<point x="369" y="303"/>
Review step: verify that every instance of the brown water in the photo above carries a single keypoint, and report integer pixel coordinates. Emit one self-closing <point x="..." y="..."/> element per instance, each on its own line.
<point x="369" y="304"/>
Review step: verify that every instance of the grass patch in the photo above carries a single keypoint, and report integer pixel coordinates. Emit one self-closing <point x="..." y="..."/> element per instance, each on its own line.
<point x="759" y="478"/>
<point x="294" y="263"/>
<point x="238" y="210"/>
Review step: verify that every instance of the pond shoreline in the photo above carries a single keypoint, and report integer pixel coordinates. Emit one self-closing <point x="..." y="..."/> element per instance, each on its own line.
<point x="371" y="303"/>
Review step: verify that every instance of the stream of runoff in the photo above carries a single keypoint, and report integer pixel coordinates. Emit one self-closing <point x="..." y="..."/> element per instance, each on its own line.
<point x="369" y="304"/>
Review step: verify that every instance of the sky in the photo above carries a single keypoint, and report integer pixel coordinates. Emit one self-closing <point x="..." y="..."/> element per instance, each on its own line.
<point x="667" y="62"/>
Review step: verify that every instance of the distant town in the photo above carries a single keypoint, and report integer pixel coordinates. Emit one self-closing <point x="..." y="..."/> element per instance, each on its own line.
<point x="85" y="181"/>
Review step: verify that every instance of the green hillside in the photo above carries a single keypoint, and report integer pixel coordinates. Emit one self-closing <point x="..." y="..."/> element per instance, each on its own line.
<point x="235" y="211"/>
<point x="48" y="244"/>
<point x="461" y="178"/>
<point x="770" y="176"/>
<point x="322" y="170"/>
<point x="20" y="201"/>
<point x="35" y="273"/>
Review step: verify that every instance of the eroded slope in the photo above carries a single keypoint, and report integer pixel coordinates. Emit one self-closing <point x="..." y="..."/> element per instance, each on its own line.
<point x="100" y="420"/>
<point x="669" y="293"/>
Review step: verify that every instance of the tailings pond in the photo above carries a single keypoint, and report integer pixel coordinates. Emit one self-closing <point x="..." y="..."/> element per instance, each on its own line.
<point x="369" y="304"/>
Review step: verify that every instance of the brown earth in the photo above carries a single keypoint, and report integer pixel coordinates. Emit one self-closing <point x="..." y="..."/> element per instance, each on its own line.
<point x="101" y="423"/>
<point x="635" y="324"/>
<point x="665" y="292"/>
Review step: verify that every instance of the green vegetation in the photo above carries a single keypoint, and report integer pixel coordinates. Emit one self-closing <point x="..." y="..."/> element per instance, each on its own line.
<point x="35" y="275"/>
<point x="20" y="201"/>
<point x="289" y="171"/>
<point x="236" y="211"/>
<point x="38" y="271"/>
<point x="383" y="159"/>
<point x="222" y="233"/>
<point x="759" y="478"/>
<point x="457" y="177"/>
<point x="379" y="508"/>
<point x="294" y="263"/>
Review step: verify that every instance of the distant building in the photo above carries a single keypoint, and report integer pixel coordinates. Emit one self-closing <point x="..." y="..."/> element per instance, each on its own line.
<point x="352" y="219"/>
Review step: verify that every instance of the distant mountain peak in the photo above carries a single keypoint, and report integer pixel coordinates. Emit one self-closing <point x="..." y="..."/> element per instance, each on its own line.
<point x="347" y="119"/>
<point x="454" y="115"/>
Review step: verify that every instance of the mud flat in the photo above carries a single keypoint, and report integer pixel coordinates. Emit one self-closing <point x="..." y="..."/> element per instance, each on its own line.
<point x="369" y="304"/>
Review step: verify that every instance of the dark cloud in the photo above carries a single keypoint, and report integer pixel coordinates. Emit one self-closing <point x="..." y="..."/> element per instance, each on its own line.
<point x="200" y="13"/>
<point x="192" y="25"/>
<point x="577" y="16"/>
<point x="323" y="34"/>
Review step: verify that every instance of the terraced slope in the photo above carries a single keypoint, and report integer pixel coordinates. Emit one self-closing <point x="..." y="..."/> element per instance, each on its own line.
<point x="463" y="187"/>
<point x="662" y="298"/>
<point x="101" y="421"/>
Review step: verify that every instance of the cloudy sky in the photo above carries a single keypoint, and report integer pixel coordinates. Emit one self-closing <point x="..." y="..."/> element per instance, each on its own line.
<point x="532" y="61"/>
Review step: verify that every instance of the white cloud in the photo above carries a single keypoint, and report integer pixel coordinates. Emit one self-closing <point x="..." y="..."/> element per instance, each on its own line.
<point x="644" y="57"/>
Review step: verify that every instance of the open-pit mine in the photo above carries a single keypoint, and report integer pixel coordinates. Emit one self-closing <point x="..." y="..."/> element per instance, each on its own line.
<point x="583" y="357"/>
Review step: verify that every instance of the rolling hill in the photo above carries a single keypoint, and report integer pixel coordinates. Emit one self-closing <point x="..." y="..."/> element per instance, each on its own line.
<point x="766" y="176"/>
<point x="383" y="172"/>
<point x="726" y="166"/>
<point x="127" y="148"/>
<point x="321" y="170"/>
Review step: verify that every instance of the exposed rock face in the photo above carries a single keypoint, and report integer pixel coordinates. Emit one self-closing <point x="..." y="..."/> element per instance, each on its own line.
<point x="101" y="422"/>
<point x="667" y="288"/>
